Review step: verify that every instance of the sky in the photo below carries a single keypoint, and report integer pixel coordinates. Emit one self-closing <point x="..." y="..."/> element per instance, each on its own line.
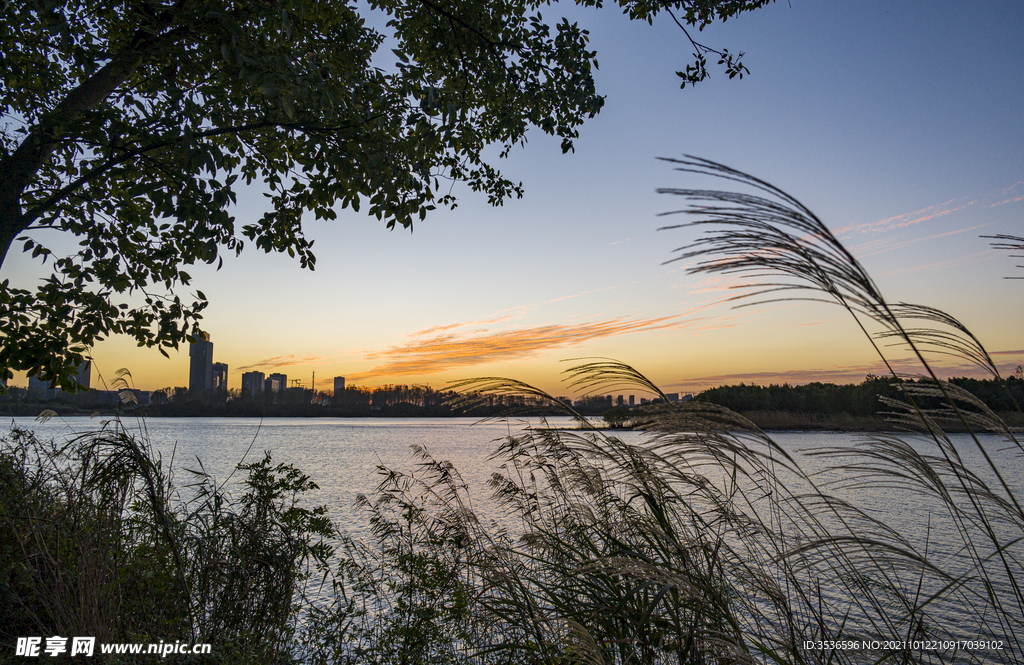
<point x="898" y="122"/>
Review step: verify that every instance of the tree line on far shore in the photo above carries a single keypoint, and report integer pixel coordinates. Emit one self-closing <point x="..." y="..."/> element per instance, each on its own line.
<point x="865" y="400"/>
<point x="861" y="399"/>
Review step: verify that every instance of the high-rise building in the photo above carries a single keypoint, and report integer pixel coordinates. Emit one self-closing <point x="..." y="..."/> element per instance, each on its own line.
<point x="200" y="370"/>
<point x="84" y="376"/>
<point x="39" y="389"/>
<point x="252" y="383"/>
<point x="281" y="381"/>
<point x="45" y="390"/>
<point x="219" y="380"/>
<point x="339" y="385"/>
<point x="631" y="402"/>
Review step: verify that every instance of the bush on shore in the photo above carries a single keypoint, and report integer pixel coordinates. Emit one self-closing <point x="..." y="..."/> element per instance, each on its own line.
<point x="97" y="541"/>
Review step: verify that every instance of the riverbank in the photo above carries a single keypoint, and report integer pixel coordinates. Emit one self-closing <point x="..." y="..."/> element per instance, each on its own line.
<point x="844" y="422"/>
<point x="784" y="421"/>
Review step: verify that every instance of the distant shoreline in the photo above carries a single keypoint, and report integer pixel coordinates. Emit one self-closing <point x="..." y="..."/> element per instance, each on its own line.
<point x="822" y="407"/>
<point x="768" y="421"/>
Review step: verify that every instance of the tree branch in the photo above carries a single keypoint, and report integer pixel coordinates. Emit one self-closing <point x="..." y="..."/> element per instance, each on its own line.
<point x="697" y="45"/>
<point x="38" y="210"/>
<point x="19" y="167"/>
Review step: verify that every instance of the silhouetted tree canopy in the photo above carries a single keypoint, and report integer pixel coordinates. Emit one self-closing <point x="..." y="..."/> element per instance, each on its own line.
<point x="861" y="399"/>
<point x="133" y="125"/>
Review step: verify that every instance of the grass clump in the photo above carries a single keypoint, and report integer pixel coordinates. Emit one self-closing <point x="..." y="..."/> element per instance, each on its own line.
<point x="97" y="542"/>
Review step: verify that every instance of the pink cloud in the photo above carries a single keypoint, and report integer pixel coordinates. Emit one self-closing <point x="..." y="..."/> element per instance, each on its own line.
<point x="879" y="245"/>
<point x="285" y="361"/>
<point x="960" y="260"/>
<point x="464" y="324"/>
<point x="449" y="351"/>
<point x="932" y="212"/>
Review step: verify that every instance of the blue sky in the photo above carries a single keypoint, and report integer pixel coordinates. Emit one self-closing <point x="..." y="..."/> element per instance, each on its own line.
<point x="898" y="123"/>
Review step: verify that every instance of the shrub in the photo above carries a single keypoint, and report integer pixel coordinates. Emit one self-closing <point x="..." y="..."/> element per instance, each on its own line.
<point x="96" y="541"/>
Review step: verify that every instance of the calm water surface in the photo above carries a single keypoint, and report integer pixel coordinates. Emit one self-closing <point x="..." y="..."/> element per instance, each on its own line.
<point x="343" y="455"/>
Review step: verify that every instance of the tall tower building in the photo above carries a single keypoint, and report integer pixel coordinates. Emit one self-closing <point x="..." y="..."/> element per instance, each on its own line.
<point x="281" y="379"/>
<point x="339" y="385"/>
<point x="252" y="384"/>
<point x="200" y="370"/>
<point x="38" y="388"/>
<point x="219" y="381"/>
<point x="84" y="375"/>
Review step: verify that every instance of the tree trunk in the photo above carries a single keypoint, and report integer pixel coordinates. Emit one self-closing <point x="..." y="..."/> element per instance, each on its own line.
<point x="20" y="167"/>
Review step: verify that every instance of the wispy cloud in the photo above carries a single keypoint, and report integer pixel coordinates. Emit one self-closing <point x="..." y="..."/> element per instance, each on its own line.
<point x="582" y="293"/>
<point x="450" y="351"/>
<point x="883" y="244"/>
<point x="463" y="324"/>
<point x="1011" y="194"/>
<point x="837" y="374"/>
<point x="937" y="265"/>
<point x="909" y="218"/>
<point x="812" y="323"/>
<point x="285" y="361"/>
<point x="715" y="284"/>
<point x="507" y="314"/>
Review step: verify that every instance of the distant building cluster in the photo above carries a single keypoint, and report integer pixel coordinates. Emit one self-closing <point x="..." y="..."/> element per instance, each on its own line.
<point x="208" y="381"/>
<point x="209" y="378"/>
<point x="254" y="383"/>
<point x="596" y="401"/>
<point x="41" y="390"/>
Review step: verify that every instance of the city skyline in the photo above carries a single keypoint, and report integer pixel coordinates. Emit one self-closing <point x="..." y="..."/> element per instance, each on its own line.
<point x="896" y="123"/>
